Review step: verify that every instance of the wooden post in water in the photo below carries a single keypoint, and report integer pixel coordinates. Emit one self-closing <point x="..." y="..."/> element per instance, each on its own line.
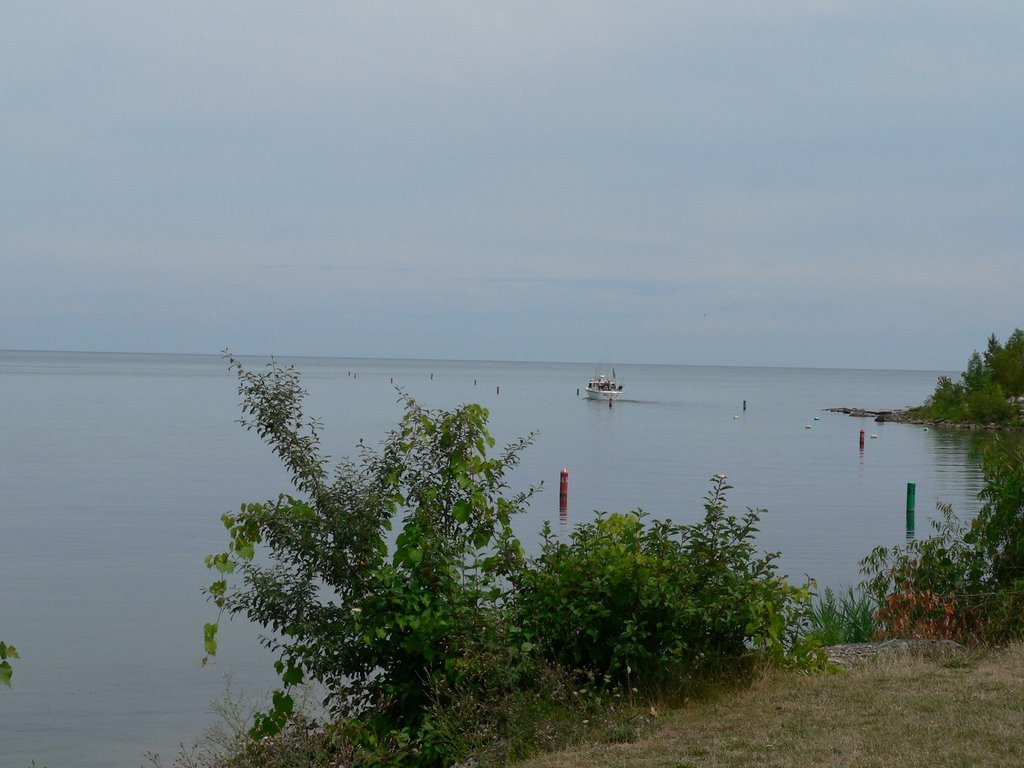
<point x="911" y="501"/>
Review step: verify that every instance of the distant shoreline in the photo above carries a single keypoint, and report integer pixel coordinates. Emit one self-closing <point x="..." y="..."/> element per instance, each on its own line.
<point x="901" y="416"/>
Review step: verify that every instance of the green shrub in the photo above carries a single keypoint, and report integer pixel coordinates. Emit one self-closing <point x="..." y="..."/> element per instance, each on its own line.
<point x="376" y="628"/>
<point x="998" y="529"/>
<point x="652" y="603"/>
<point x="989" y="406"/>
<point x="928" y="588"/>
<point x="966" y="582"/>
<point x="449" y="641"/>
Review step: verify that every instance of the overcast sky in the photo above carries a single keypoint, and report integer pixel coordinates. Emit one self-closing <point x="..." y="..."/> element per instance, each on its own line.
<point x="760" y="183"/>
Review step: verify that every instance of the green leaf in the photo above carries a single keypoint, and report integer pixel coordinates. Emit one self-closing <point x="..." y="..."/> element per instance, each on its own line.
<point x="409" y="555"/>
<point x="292" y="676"/>
<point x="5" y="673"/>
<point x="462" y="511"/>
<point x="210" y="638"/>
<point x="283" y="703"/>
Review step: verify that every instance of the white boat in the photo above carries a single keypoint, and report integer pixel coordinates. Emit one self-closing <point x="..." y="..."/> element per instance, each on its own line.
<point x="603" y="387"/>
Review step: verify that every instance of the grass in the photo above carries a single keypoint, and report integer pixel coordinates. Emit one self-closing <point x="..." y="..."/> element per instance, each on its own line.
<point x="907" y="711"/>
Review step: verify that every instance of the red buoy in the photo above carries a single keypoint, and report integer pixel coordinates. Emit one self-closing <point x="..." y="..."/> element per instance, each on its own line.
<point x="563" y="490"/>
<point x="862" y="439"/>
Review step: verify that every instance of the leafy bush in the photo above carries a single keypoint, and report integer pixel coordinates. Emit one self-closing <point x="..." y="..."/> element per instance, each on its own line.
<point x="964" y="582"/>
<point x="446" y="639"/>
<point x="989" y="406"/>
<point x="998" y="530"/>
<point x="649" y="603"/>
<point x="928" y="588"/>
<point x="374" y="628"/>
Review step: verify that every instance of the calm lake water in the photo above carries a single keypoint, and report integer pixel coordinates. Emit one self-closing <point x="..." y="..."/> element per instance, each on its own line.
<point x="115" y="469"/>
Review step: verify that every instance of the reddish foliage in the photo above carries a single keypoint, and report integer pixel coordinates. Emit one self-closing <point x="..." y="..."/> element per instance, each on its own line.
<point x="921" y="613"/>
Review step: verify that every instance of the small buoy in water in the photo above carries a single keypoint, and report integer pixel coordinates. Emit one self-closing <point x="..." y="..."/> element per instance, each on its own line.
<point x="807" y="426"/>
<point x="874" y="437"/>
<point x="926" y="429"/>
<point x="735" y="417"/>
<point x="817" y="418"/>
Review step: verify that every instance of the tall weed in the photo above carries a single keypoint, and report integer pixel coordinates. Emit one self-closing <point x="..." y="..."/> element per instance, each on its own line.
<point x="848" y="617"/>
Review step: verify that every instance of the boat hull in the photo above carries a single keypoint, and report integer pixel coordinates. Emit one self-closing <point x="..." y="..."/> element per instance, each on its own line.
<point x="603" y="394"/>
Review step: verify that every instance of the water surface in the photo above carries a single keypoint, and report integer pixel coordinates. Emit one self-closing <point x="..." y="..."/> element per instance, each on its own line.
<point x="115" y="469"/>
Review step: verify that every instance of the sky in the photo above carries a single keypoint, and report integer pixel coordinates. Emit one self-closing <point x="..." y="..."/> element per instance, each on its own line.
<point x="815" y="184"/>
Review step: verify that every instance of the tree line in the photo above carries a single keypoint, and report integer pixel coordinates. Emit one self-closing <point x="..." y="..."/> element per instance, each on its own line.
<point x="987" y="390"/>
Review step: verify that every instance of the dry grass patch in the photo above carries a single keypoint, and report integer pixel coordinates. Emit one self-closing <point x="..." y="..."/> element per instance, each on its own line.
<point x="898" y="711"/>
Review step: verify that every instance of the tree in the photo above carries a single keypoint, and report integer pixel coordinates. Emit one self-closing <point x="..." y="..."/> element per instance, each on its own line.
<point x="981" y="396"/>
<point x="978" y="375"/>
<point x="1007" y="362"/>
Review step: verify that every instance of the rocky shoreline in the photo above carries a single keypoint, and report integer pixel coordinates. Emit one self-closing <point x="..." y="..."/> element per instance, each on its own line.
<point x="850" y="655"/>
<point x="902" y="417"/>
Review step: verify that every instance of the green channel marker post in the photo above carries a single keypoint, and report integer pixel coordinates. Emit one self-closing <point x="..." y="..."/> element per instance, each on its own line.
<point x="911" y="501"/>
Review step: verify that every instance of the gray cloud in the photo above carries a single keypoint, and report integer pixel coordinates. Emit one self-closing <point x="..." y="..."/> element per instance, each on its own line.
<point x="790" y="183"/>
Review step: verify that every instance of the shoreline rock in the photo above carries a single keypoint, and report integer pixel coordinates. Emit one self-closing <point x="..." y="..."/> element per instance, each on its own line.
<point x="900" y="416"/>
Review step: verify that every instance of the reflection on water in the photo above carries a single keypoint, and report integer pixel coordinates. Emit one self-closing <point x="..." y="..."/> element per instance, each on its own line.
<point x="954" y="456"/>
